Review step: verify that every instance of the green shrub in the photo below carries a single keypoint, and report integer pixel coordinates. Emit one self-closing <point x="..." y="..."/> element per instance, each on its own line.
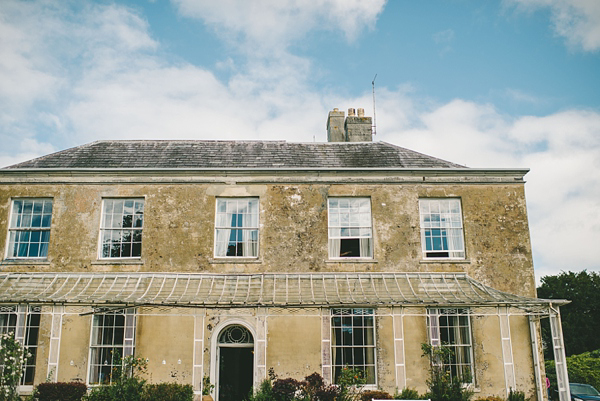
<point x="285" y="389"/>
<point x="73" y="391"/>
<point x="516" y="396"/>
<point x="263" y="393"/>
<point x="312" y="388"/>
<point x="377" y="394"/>
<point x="350" y="382"/>
<point x="490" y="398"/>
<point x="407" y="394"/>
<point x="168" y="392"/>
<point x="126" y="385"/>
<point x="442" y="386"/>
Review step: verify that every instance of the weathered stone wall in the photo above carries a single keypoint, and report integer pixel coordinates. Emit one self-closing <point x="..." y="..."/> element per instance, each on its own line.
<point x="179" y="229"/>
<point x="179" y="237"/>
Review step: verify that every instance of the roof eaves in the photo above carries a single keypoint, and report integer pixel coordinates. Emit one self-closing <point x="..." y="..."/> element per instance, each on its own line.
<point x="444" y="170"/>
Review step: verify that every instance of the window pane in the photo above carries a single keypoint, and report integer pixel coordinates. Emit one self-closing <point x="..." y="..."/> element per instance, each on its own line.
<point x="26" y="221"/>
<point x="136" y="249"/>
<point x="118" y="206"/>
<point x="23" y="250"/>
<point x="34" y="250"/>
<point x="46" y="220"/>
<point x="36" y="220"/>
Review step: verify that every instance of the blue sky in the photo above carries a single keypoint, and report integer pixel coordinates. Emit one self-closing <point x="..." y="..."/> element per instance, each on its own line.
<point x="506" y="83"/>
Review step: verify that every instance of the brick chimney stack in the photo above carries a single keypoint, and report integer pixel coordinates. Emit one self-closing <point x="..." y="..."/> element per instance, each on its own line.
<point x="356" y="128"/>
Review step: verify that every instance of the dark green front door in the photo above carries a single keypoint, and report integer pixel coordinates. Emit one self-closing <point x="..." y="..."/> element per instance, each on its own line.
<point x="235" y="373"/>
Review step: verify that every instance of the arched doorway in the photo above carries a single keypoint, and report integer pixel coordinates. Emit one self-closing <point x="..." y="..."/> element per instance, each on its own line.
<point x="236" y="363"/>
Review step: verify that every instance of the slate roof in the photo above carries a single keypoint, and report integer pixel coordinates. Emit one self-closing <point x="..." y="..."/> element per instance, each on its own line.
<point x="234" y="155"/>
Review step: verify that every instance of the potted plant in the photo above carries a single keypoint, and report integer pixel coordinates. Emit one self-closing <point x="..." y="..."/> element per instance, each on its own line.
<point x="207" y="388"/>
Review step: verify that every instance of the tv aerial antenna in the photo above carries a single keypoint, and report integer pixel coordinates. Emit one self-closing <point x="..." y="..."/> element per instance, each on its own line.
<point x="374" y="117"/>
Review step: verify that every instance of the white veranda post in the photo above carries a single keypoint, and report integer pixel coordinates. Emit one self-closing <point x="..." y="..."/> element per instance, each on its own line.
<point x="562" y="377"/>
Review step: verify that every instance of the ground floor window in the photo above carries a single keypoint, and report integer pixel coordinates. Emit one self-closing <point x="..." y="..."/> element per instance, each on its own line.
<point x="113" y="337"/>
<point x="25" y="323"/>
<point x="353" y="341"/>
<point x="452" y="328"/>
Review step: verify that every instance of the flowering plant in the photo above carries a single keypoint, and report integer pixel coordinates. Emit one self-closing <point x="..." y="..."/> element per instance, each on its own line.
<point x="12" y="359"/>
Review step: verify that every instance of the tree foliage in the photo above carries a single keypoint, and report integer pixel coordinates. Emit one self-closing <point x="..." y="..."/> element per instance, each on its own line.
<point x="580" y="318"/>
<point x="583" y="368"/>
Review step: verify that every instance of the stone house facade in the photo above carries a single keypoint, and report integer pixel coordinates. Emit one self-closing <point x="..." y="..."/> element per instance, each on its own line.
<point x="228" y="258"/>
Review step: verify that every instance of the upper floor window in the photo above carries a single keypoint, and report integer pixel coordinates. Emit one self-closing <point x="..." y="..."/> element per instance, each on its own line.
<point x="29" y="229"/>
<point x="121" y="228"/>
<point x="353" y="341"/>
<point x="441" y="228"/>
<point x="350" y="229"/>
<point x="236" y="227"/>
<point x="451" y="328"/>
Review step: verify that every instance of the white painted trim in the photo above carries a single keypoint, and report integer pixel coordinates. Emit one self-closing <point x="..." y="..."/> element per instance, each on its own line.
<point x="54" y="349"/>
<point x="542" y="393"/>
<point x="560" y="359"/>
<point x="326" y="369"/>
<point x="399" y="350"/>
<point x="198" y="349"/>
<point x="507" y="354"/>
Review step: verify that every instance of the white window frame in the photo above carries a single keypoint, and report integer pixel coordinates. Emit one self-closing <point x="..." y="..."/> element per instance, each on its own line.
<point x="349" y="219"/>
<point x="444" y="329"/>
<point x="125" y="348"/>
<point x="26" y="332"/>
<point x="348" y="315"/>
<point x="16" y="228"/>
<point x="225" y="227"/>
<point x="441" y="219"/>
<point x="114" y="227"/>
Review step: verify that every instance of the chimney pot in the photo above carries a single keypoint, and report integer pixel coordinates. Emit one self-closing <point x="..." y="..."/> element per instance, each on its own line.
<point x="351" y="112"/>
<point x="361" y="112"/>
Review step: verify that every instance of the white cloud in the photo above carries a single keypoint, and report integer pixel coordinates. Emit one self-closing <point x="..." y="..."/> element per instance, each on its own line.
<point x="92" y="72"/>
<point x="105" y="79"/>
<point x="264" y="25"/>
<point x="576" y="20"/>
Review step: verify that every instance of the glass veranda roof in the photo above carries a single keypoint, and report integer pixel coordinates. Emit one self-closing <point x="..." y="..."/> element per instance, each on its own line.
<point x="256" y="290"/>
